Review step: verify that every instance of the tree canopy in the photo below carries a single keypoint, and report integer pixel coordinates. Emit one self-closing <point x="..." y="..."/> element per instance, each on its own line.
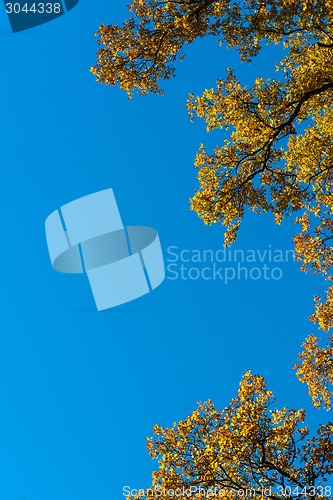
<point x="248" y="449"/>
<point x="278" y="157"/>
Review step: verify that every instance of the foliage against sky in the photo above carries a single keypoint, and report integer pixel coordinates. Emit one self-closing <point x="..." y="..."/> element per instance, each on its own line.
<point x="278" y="157"/>
<point x="250" y="448"/>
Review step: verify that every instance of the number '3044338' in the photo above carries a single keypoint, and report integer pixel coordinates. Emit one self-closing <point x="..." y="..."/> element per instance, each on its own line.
<point x="24" y="15"/>
<point x="39" y="8"/>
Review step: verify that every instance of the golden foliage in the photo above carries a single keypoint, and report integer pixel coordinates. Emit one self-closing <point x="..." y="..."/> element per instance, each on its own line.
<point x="316" y="370"/>
<point x="279" y="154"/>
<point x="247" y="449"/>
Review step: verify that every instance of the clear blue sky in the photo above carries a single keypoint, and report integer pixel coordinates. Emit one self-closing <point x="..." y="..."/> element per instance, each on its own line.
<point x="80" y="390"/>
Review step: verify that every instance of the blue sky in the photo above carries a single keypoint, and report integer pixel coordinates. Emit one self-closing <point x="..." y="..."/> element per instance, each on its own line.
<point x="80" y="389"/>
